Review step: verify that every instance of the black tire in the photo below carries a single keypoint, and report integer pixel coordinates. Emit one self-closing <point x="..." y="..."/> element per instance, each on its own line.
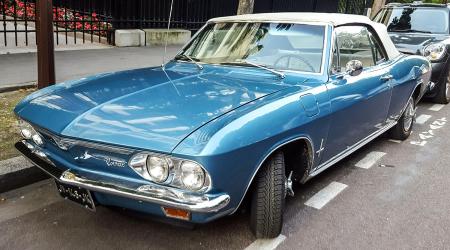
<point x="405" y="124"/>
<point x="443" y="90"/>
<point x="266" y="219"/>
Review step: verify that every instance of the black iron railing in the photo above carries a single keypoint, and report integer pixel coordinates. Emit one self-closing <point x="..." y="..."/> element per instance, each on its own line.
<point x="354" y="6"/>
<point x="95" y="20"/>
<point x="342" y="6"/>
<point x="77" y="25"/>
<point x="12" y="15"/>
<point x="81" y="21"/>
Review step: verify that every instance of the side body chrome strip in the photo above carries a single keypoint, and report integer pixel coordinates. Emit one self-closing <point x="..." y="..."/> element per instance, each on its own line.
<point x="349" y="151"/>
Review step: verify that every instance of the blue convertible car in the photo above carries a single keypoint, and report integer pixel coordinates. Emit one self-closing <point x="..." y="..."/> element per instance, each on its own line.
<point x="250" y="106"/>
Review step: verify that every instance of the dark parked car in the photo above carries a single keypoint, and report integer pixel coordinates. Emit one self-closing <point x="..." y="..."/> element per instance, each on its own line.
<point x="423" y="29"/>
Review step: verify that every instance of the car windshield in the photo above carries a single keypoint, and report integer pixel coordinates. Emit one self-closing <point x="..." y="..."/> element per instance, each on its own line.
<point x="410" y="19"/>
<point x="277" y="46"/>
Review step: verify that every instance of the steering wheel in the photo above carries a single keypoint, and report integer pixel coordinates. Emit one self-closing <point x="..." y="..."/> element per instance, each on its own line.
<point x="297" y="57"/>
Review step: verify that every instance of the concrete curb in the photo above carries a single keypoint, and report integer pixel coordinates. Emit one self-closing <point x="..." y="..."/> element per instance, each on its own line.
<point x="18" y="172"/>
<point x="17" y="86"/>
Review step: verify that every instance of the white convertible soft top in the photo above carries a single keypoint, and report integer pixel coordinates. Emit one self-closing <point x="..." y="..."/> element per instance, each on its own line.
<point x="324" y="18"/>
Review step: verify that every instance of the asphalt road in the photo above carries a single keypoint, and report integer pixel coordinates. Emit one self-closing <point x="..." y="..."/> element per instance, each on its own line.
<point x="70" y="64"/>
<point x="396" y="199"/>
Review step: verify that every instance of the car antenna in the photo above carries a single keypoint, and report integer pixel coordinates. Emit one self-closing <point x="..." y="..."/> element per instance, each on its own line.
<point x="167" y="36"/>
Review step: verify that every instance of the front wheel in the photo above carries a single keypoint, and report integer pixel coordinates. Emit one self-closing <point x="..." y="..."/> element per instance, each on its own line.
<point x="405" y="124"/>
<point x="443" y="91"/>
<point x="266" y="219"/>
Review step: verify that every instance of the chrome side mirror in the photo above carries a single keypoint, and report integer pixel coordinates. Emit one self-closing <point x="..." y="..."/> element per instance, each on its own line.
<point x="354" y="67"/>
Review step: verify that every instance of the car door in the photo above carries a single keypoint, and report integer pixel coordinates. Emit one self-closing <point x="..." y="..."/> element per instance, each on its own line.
<point x="359" y="103"/>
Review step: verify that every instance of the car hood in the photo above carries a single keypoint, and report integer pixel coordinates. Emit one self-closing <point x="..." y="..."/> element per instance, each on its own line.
<point x="413" y="43"/>
<point x="145" y="108"/>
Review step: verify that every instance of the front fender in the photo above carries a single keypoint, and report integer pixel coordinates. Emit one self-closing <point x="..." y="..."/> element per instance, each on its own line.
<point x="233" y="148"/>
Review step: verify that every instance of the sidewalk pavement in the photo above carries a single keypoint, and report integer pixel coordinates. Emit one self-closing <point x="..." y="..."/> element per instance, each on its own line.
<point x="21" y="69"/>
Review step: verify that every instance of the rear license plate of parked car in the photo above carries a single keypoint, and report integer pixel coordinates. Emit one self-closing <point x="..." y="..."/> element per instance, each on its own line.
<point x="78" y="195"/>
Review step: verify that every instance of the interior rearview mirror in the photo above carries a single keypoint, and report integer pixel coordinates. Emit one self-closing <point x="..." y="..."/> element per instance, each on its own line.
<point x="354" y="67"/>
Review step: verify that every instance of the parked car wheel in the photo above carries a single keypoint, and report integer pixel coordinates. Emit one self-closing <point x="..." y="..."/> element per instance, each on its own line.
<point x="443" y="91"/>
<point x="403" y="129"/>
<point x="268" y="199"/>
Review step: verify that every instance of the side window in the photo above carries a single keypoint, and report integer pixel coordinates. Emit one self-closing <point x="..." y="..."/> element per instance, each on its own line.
<point x="356" y="43"/>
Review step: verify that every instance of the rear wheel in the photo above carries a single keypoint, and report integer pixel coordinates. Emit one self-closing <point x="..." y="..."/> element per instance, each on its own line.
<point x="267" y="207"/>
<point x="403" y="129"/>
<point x="443" y="91"/>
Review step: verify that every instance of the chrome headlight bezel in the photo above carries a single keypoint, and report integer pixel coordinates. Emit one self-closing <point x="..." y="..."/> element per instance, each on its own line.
<point x="157" y="168"/>
<point x="29" y="133"/>
<point x="191" y="171"/>
<point x="26" y="130"/>
<point x="139" y="163"/>
<point x="435" y="51"/>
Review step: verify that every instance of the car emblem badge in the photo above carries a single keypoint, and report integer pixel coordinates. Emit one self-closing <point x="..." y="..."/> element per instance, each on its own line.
<point x="110" y="161"/>
<point x="115" y="162"/>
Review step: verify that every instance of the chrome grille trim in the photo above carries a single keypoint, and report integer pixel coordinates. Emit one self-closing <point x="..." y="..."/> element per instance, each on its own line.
<point x="94" y="145"/>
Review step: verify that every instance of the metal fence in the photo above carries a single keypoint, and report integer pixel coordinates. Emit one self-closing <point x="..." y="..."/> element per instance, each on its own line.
<point x="78" y="21"/>
<point x="187" y="14"/>
<point x="262" y="6"/>
<point x="12" y="15"/>
<point x="74" y="22"/>
<point x="81" y="21"/>
<point x="354" y="6"/>
<point x="331" y="6"/>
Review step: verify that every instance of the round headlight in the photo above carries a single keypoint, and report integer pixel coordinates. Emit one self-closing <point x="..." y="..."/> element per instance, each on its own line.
<point x="158" y="168"/>
<point x="26" y="129"/>
<point x="435" y="51"/>
<point x="192" y="175"/>
<point x="37" y="139"/>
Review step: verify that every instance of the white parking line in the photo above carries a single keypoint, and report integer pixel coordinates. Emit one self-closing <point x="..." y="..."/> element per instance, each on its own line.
<point x="266" y="244"/>
<point x="422" y="119"/>
<point x="370" y="159"/>
<point x="436" y="107"/>
<point x="395" y="141"/>
<point x="325" y="195"/>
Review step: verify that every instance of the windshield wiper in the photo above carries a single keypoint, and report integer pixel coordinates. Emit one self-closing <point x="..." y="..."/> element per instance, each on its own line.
<point x="184" y="56"/>
<point x="244" y="62"/>
<point x="410" y="30"/>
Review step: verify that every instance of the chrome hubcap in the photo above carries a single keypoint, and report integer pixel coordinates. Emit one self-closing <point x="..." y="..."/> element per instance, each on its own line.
<point x="288" y="186"/>
<point x="447" y="90"/>
<point x="409" y="116"/>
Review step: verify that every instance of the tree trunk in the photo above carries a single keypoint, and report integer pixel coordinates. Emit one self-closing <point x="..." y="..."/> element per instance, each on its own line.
<point x="377" y="5"/>
<point x="245" y="7"/>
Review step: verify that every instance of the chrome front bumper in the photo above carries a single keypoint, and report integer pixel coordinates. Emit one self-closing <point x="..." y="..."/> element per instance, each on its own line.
<point x="164" y="196"/>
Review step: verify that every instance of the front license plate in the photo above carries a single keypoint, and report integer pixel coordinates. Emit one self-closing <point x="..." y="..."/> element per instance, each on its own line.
<point x="78" y="195"/>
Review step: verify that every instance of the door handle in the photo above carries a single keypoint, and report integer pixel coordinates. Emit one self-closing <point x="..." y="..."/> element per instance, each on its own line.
<point x="386" y="78"/>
